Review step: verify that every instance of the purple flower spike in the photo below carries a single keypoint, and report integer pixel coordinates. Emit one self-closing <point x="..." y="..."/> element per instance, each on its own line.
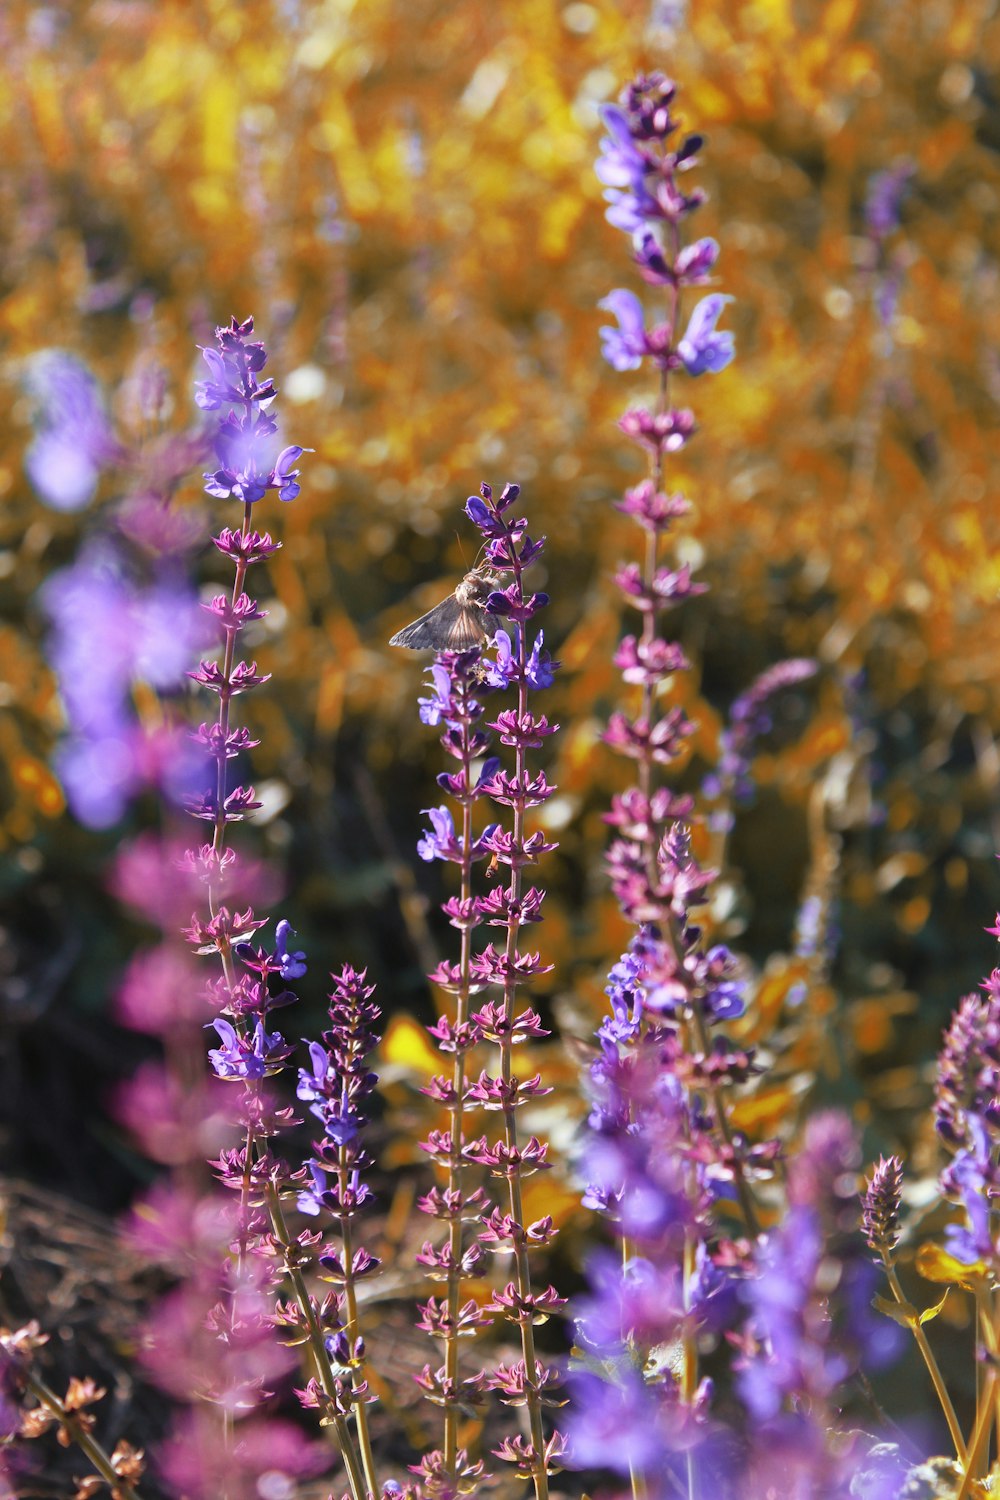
<point x="245" y="441"/>
<point x="626" y="346"/>
<point x="702" y="349"/>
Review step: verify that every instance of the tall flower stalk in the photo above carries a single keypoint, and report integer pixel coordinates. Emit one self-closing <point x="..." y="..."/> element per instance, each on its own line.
<point x="249" y="987"/>
<point x="457" y="679"/>
<point x="642" y="165"/>
<point x="662" y="1157"/>
<point x="453" y="704"/>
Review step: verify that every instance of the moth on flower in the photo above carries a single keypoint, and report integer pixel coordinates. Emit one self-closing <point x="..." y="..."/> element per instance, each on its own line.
<point x="458" y="622"/>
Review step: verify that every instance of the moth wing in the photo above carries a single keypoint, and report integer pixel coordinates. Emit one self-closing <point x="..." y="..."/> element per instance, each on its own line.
<point x="425" y="634"/>
<point x="449" y="626"/>
<point x="469" y="629"/>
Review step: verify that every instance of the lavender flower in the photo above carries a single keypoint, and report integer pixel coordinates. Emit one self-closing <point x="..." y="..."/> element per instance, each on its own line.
<point x="749" y="718"/>
<point x="626" y="346"/>
<point x="246" y="991"/>
<point x="245" y="440"/>
<point x="809" y="1320"/>
<point x="661" y="1160"/>
<point x="886" y="194"/>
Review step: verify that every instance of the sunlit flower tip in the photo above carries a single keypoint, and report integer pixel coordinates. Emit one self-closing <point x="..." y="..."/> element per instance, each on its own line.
<point x="702" y="349"/>
<point x="626" y="346"/>
<point x="882" y="1199"/>
<point x="293" y="965"/>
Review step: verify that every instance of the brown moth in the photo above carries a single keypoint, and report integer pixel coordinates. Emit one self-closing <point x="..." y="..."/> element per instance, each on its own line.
<point x="458" y="622"/>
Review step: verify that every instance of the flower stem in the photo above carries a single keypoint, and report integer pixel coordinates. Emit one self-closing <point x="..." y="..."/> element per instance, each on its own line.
<point x="317" y="1346"/>
<point x="456" y="1176"/>
<point x="534" y="1404"/>
<point x="932" y="1366"/>
<point x="353" y="1330"/>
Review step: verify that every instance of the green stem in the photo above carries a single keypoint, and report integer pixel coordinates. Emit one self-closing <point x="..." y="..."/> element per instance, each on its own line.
<point x="932" y="1367"/>
<point x="353" y="1331"/>
<point x="980" y="1437"/>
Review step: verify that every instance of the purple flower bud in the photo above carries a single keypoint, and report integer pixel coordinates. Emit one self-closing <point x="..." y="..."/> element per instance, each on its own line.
<point x="696" y="261"/>
<point x="881" y="1206"/>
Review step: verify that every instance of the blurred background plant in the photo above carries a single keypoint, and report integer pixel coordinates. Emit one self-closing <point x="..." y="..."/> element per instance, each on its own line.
<point x="404" y="196"/>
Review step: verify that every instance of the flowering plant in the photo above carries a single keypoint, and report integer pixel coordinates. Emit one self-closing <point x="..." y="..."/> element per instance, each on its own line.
<point x="721" y="1348"/>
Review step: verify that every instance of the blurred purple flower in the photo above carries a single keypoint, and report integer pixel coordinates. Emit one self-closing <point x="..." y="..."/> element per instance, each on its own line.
<point x="108" y="633"/>
<point x="626" y="346"/>
<point x="887" y="192"/>
<point x="613" y="1424"/>
<point x="74" y="440"/>
<point x="702" y="349"/>
<point x="749" y="718"/>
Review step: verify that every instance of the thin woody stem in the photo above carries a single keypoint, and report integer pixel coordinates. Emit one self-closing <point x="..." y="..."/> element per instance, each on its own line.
<point x="316" y="1341"/>
<point x="98" y="1456"/>
<point x="352" y="1329"/>
<point x="534" y="1404"/>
